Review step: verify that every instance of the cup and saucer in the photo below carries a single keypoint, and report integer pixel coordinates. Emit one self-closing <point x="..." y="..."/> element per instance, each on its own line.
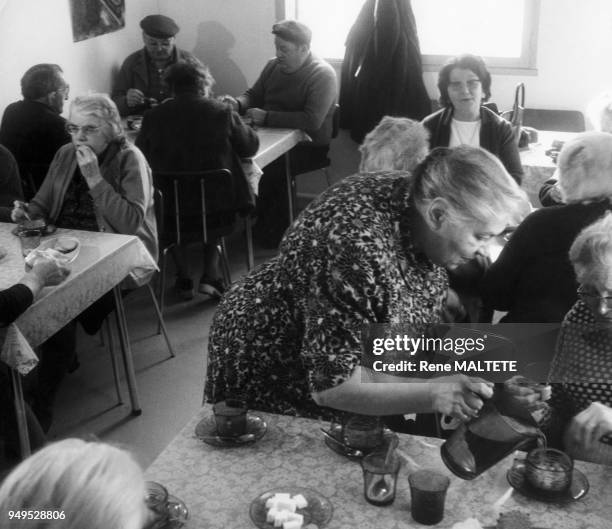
<point x="165" y="510"/>
<point x="231" y="425"/>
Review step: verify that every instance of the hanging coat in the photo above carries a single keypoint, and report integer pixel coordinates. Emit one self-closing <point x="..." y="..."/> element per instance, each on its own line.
<point x="382" y="71"/>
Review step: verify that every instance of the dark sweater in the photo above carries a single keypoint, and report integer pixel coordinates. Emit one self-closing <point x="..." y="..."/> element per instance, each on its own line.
<point x="10" y="184"/>
<point x="533" y="278"/>
<point x="495" y="136"/>
<point x="14" y="301"/>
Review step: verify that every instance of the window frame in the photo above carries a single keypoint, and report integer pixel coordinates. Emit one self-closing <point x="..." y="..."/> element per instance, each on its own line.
<point x="526" y="64"/>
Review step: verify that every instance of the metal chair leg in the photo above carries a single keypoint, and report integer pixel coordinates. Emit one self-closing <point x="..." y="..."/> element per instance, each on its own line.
<point x="160" y="319"/>
<point x="225" y="261"/>
<point x="248" y="231"/>
<point x="162" y="286"/>
<point x="111" y="350"/>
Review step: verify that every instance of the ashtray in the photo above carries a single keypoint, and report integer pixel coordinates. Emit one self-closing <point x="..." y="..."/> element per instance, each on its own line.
<point x="577" y="489"/>
<point x="318" y="512"/>
<point x="206" y="430"/>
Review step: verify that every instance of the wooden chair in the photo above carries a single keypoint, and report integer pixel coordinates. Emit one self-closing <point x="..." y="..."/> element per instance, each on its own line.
<point x="558" y="120"/>
<point x="212" y="190"/>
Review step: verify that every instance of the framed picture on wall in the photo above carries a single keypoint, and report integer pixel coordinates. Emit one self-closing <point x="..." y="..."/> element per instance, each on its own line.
<point x="91" y="18"/>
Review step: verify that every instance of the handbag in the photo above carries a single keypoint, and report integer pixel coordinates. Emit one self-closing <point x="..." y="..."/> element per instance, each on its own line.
<point x="515" y="116"/>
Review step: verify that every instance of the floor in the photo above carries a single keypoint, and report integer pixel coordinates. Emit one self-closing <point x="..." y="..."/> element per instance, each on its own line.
<point x="170" y="388"/>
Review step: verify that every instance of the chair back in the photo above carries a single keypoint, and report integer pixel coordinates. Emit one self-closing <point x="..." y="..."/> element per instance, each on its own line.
<point x="336" y="121"/>
<point x="187" y="197"/>
<point x="558" y="120"/>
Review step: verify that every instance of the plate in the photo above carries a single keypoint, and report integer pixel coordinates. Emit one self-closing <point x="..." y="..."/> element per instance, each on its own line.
<point x="577" y="490"/>
<point x="319" y="510"/>
<point x="62" y="242"/>
<point x="206" y="430"/>
<point x="340" y="447"/>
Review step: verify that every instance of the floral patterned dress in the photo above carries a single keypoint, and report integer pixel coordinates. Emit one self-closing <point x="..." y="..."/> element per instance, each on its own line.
<point x="293" y="325"/>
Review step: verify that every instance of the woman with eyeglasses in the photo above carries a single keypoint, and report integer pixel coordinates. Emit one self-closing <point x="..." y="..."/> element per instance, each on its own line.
<point x="532" y="279"/>
<point x="372" y="249"/>
<point x="581" y="372"/>
<point x="465" y="84"/>
<point x="98" y="182"/>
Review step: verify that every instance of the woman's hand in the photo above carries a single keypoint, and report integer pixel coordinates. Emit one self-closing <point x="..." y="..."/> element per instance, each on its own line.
<point x="459" y="396"/>
<point x="88" y="163"/>
<point x="257" y="115"/>
<point x="45" y="272"/>
<point x="20" y="212"/>
<point x="587" y="428"/>
<point x="527" y="393"/>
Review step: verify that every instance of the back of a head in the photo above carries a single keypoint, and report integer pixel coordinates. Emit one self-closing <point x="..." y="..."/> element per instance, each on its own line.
<point x="189" y="77"/>
<point x="94" y="485"/>
<point x="585" y="167"/>
<point x="473" y="182"/>
<point x="40" y="80"/>
<point x="395" y="144"/>
<point x="591" y="251"/>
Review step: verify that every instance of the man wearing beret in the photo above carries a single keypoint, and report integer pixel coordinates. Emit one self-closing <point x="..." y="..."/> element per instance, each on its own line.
<point x="295" y="90"/>
<point x="139" y="84"/>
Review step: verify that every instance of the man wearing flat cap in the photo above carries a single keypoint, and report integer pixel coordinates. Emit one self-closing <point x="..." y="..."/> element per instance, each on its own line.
<point x="295" y="90"/>
<point x="139" y="84"/>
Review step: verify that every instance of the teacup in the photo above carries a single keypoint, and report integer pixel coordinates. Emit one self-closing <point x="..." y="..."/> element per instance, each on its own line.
<point x="230" y="417"/>
<point x="364" y="432"/>
<point x="549" y="470"/>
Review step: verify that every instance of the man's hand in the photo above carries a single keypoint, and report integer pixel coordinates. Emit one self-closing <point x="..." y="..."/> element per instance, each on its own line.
<point x="459" y="396"/>
<point x="20" y="212"/>
<point x="231" y="101"/>
<point x="257" y="115"/>
<point x="88" y="163"/>
<point x="134" y="97"/>
<point x="587" y="428"/>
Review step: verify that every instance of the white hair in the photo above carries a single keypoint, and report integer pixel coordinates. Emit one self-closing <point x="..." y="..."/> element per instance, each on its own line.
<point x="94" y="485"/>
<point x="591" y="251"/>
<point x="397" y="144"/>
<point x="585" y="167"/>
<point x="599" y="112"/>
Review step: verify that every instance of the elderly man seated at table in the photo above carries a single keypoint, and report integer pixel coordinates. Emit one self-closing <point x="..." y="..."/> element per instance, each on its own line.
<point x="88" y="484"/>
<point x="139" y="84"/>
<point x="372" y="249"/>
<point x="532" y="278"/>
<point x="99" y="182"/>
<point x="10" y="184"/>
<point x="33" y="129"/>
<point x="581" y="402"/>
<point x="194" y="133"/>
<point x="295" y="90"/>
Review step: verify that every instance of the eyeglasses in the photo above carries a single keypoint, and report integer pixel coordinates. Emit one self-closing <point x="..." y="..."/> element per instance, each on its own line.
<point x="593" y="299"/>
<point x="88" y="130"/>
<point x="472" y="84"/>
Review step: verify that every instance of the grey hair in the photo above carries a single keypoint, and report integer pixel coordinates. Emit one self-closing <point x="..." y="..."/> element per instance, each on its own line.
<point x="591" y="251"/>
<point x="585" y="167"/>
<point x="599" y="112"/>
<point x="102" y="107"/>
<point x="398" y="144"/>
<point x="471" y="180"/>
<point x="94" y="484"/>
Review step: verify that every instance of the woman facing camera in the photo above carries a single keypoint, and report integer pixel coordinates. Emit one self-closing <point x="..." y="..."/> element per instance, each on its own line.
<point x="371" y="249"/>
<point x="581" y="402"/>
<point x="193" y="132"/>
<point x="532" y="279"/>
<point x="98" y="182"/>
<point x="80" y="484"/>
<point x="464" y="84"/>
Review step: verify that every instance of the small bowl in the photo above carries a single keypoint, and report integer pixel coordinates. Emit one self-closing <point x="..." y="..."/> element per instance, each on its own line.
<point x="549" y="470"/>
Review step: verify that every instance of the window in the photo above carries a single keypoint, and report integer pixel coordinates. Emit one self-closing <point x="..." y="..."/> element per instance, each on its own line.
<point x="504" y="32"/>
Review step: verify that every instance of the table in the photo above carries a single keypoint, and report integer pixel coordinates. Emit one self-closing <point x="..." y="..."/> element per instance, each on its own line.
<point x="218" y="484"/>
<point x="104" y="260"/>
<point x="537" y="165"/>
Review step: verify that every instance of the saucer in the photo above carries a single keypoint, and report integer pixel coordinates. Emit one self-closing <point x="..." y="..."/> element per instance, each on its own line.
<point x="318" y="512"/>
<point x="206" y="430"/>
<point x="340" y="447"/>
<point x="577" y="490"/>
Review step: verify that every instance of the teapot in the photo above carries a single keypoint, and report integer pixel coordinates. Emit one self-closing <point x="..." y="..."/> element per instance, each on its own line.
<point x="501" y="427"/>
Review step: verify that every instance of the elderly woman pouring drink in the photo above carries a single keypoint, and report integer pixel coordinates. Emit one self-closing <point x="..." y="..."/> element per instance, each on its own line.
<point x="99" y="182"/>
<point x="371" y="249"/>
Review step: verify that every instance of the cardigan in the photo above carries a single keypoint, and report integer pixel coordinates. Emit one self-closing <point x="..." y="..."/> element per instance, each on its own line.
<point x="123" y="200"/>
<point x="496" y="136"/>
<point x="10" y="184"/>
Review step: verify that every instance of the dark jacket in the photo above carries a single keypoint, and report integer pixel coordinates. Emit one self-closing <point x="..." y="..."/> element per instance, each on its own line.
<point x="495" y="136"/>
<point x="134" y="74"/>
<point x="382" y="72"/>
<point x="192" y="133"/>
<point x="10" y="184"/>
<point x="533" y="279"/>
<point x="33" y="132"/>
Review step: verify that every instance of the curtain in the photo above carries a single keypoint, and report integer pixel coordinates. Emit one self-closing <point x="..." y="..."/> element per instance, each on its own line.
<point x="382" y="71"/>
